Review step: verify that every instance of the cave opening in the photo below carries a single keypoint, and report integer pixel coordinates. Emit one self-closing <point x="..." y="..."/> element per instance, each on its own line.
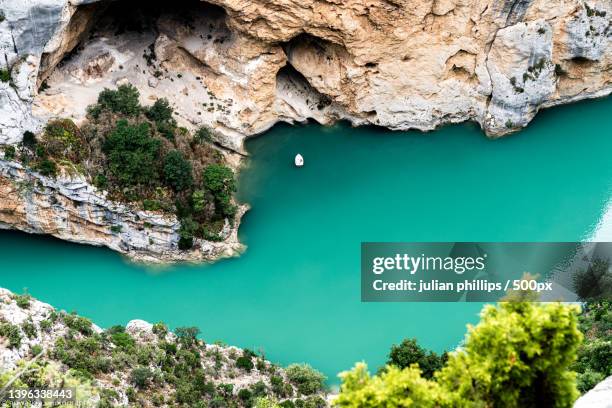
<point x="165" y="50"/>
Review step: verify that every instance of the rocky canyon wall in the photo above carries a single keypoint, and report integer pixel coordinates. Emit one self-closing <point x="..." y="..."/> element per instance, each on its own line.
<point x="399" y="64"/>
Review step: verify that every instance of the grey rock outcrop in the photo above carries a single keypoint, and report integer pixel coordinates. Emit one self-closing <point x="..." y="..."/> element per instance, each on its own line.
<point x="598" y="397"/>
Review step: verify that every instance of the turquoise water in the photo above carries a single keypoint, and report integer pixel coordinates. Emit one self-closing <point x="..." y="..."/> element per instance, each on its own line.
<point x="295" y="292"/>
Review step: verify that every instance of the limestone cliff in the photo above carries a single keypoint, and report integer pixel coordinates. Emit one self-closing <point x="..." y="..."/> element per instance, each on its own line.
<point x="69" y="208"/>
<point x="240" y="66"/>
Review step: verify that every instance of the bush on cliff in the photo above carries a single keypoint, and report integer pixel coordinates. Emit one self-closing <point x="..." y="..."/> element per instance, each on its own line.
<point x="220" y="181"/>
<point x="132" y="154"/>
<point x="124" y="100"/>
<point x="177" y="171"/>
<point x="307" y="380"/>
<point x="409" y="352"/>
<point x="519" y="355"/>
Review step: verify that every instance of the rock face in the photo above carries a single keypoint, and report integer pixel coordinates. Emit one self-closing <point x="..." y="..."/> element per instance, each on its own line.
<point x="240" y="66"/>
<point x="400" y="64"/>
<point x="598" y="397"/>
<point x="71" y="209"/>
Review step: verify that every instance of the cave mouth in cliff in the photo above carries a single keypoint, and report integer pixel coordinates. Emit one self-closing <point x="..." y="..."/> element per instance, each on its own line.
<point x="118" y="18"/>
<point x="165" y="50"/>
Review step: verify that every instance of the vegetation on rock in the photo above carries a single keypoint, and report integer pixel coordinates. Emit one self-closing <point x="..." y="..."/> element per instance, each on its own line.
<point x="520" y="354"/>
<point x="140" y="156"/>
<point x="594" y="361"/>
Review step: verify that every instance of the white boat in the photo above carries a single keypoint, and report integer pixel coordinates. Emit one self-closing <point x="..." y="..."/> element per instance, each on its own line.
<point x="299" y="160"/>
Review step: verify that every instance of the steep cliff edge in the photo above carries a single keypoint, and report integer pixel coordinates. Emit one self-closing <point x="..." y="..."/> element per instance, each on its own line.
<point x="238" y="67"/>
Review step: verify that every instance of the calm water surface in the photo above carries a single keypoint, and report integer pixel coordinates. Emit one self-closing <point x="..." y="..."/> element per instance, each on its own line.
<point x="295" y="292"/>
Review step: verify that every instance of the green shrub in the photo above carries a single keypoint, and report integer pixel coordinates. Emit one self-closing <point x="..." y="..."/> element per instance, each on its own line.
<point x="594" y="360"/>
<point x="47" y="167"/>
<point x="187" y="336"/>
<point x="166" y="130"/>
<point x="409" y="352"/>
<point x="160" y="329"/>
<point x="140" y="377"/>
<point x="124" y="100"/>
<point x="306" y="379"/>
<point x="124" y="341"/>
<point x="5" y="75"/>
<point x="198" y="199"/>
<point x="36" y="350"/>
<point x="219" y="180"/>
<point x="245" y="362"/>
<point x="11" y="333"/>
<point x="394" y="387"/>
<point x="177" y="171"/>
<point x="202" y="135"/>
<point x="62" y="139"/>
<point x="78" y="323"/>
<point x="29" y="329"/>
<point x="132" y="154"/>
<point x="245" y="396"/>
<point x="29" y="140"/>
<point x="186" y="232"/>
<point x="23" y="301"/>
<point x="518" y="355"/>
<point x="161" y="112"/>
<point x="588" y="379"/>
<point x="9" y="152"/>
<point x="151" y="205"/>
<point x="100" y="181"/>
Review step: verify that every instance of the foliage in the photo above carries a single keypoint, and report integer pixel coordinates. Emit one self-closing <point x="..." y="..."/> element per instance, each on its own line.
<point x="29" y="329"/>
<point x="594" y="282"/>
<point x="12" y="333"/>
<point x="177" y="171"/>
<point x="140" y="376"/>
<point x="29" y="140"/>
<point x="9" y="152"/>
<point x="409" y="352"/>
<point x="307" y="380"/>
<point x="124" y="100"/>
<point x="202" y="135"/>
<point x="519" y="355"/>
<point x="132" y="154"/>
<point x="594" y="361"/>
<point x="160" y="329"/>
<point x="161" y="112"/>
<point x="23" y="301"/>
<point x="392" y="388"/>
<point x="198" y="199"/>
<point x="219" y="180"/>
<point x="78" y="323"/>
<point x="187" y="336"/>
<point x="245" y="362"/>
<point x="5" y="75"/>
<point x="62" y="139"/>
<point x="47" y="167"/>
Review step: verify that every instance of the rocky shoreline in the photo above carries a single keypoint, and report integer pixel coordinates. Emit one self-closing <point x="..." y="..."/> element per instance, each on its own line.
<point x="69" y="208"/>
